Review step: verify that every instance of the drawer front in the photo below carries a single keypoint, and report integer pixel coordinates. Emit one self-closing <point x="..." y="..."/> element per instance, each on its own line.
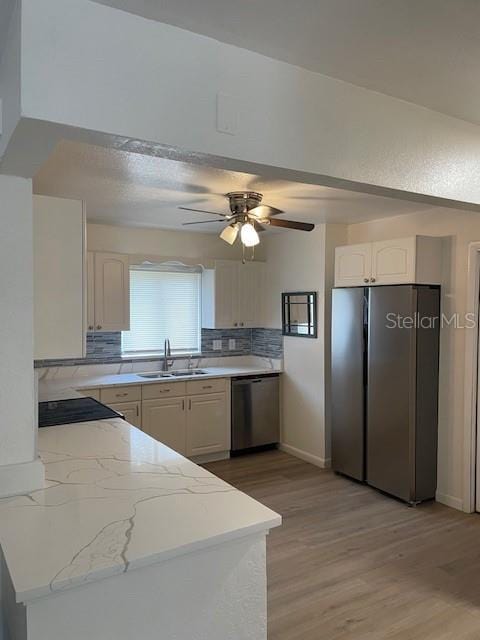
<point x="91" y="393"/>
<point x="163" y="390"/>
<point x="121" y="394"/>
<point x="217" y="385"/>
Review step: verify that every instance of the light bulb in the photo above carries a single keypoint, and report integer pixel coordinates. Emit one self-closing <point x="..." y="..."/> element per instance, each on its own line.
<point x="230" y="233"/>
<point x="248" y="235"/>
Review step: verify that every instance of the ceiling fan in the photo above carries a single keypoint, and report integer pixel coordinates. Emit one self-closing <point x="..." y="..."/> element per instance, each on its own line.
<point x="247" y="217"/>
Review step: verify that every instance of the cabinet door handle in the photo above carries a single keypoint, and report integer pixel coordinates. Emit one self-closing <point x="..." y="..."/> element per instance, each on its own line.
<point x="137" y="411"/>
<point x="164" y="391"/>
<point x="207" y="386"/>
<point x="121" y="395"/>
<point x="183" y="405"/>
<point x="365" y="279"/>
<point x="99" y="326"/>
<point x="372" y="280"/>
<point x="235" y="324"/>
<point x="241" y="324"/>
<point x="190" y="405"/>
<point x="90" y="327"/>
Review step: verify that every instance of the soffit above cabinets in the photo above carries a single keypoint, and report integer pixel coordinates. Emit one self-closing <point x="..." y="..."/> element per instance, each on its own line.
<point x="133" y="189"/>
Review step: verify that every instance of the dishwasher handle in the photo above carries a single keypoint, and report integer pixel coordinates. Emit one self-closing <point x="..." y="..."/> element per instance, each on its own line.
<point x="244" y="381"/>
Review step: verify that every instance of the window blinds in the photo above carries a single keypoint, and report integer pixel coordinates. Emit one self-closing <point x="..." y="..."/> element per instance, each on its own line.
<point x="164" y="303"/>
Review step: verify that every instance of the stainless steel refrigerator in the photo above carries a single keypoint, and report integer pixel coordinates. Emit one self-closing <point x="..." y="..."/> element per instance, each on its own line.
<point x="385" y="347"/>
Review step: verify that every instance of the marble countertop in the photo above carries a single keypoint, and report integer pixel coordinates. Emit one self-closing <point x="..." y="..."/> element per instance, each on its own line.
<point x="63" y="388"/>
<point x="115" y="499"/>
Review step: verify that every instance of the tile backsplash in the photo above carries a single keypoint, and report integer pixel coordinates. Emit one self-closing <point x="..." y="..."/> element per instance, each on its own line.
<point x="106" y="346"/>
<point x="267" y="343"/>
<point x="102" y="344"/>
<point x="241" y="347"/>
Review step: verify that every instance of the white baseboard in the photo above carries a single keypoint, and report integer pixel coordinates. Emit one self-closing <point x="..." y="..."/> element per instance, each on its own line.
<point x="449" y="501"/>
<point x="323" y="463"/>
<point x="21" y="478"/>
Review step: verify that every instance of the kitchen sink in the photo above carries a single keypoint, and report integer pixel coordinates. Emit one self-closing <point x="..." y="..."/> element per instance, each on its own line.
<point x="180" y="373"/>
<point x="155" y="376"/>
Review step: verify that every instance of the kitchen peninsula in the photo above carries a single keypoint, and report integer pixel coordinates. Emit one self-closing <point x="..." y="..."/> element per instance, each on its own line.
<point x="130" y="539"/>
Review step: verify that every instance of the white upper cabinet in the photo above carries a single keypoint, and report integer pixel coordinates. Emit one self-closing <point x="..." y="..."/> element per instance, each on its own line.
<point x="353" y="265"/>
<point x="393" y="261"/>
<point x="232" y="295"/>
<point x="416" y="260"/>
<point x="108" y="292"/>
<point x="225" y="285"/>
<point x="59" y="270"/>
<point x="251" y="294"/>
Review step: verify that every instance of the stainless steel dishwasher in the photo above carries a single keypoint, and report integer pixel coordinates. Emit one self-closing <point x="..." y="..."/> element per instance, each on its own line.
<point x="255" y="411"/>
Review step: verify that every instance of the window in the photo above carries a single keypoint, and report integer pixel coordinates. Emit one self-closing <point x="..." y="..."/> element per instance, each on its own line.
<point x="164" y="303"/>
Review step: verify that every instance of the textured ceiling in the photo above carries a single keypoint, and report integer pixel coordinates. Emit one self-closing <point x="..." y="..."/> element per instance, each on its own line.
<point x="132" y="189"/>
<point x="424" y="51"/>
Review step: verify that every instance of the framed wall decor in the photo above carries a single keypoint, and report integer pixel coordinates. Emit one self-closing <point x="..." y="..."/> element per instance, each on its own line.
<point x="299" y="314"/>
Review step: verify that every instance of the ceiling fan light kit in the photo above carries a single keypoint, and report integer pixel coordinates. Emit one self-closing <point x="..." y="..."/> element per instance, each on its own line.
<point x="247" y="216"/>
<point x="248" y="235"/>
<point x="230" y="233"/>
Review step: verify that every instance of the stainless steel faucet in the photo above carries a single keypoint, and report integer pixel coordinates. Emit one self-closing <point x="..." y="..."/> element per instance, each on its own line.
<point x="167" y="352"/>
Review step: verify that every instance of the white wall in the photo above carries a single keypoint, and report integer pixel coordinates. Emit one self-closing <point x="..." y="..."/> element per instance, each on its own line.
<point x="159" y="242"/>
<point x="10" y="78"/>
<point x="18" y="465"/>
<point x="297" y="262"/>
<point x="459" y="228"/>
<point x="94" y="68"/>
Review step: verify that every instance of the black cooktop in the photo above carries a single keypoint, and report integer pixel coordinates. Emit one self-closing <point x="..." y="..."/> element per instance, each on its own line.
<point x="73" y="410"/>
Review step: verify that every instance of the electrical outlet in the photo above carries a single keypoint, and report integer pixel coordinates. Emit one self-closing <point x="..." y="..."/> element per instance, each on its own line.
<point x="231" y="344"/>
<point x="217" y="345"/>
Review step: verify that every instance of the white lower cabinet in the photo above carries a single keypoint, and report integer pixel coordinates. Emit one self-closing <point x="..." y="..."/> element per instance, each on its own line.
<point x="165" y="420"/>
<point x="132" y="412"/>
<point x="207" y="425"/>
<point x="195" y="423"/>
<point x="193" y="417"/>
<point x="91" y="393"/>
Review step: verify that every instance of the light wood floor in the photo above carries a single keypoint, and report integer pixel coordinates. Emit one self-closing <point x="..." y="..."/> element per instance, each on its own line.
<point x="351" y="564"/>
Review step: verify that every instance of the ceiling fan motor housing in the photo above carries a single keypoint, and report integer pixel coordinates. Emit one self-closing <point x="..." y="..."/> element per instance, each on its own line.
<point x="243" y="201"/>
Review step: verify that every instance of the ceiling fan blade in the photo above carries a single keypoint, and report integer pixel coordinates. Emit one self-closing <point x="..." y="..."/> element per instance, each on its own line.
<point x="289" y="224"/>
<point x="212" y="213"/>
<point x="264" y="211"/>
<point x="184" y="224"/>
<point x="257" y="226"/>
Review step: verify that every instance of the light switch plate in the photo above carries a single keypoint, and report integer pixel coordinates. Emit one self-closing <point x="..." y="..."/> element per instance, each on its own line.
<point x="217" y="345"/>
<point x="231" y="344"/>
